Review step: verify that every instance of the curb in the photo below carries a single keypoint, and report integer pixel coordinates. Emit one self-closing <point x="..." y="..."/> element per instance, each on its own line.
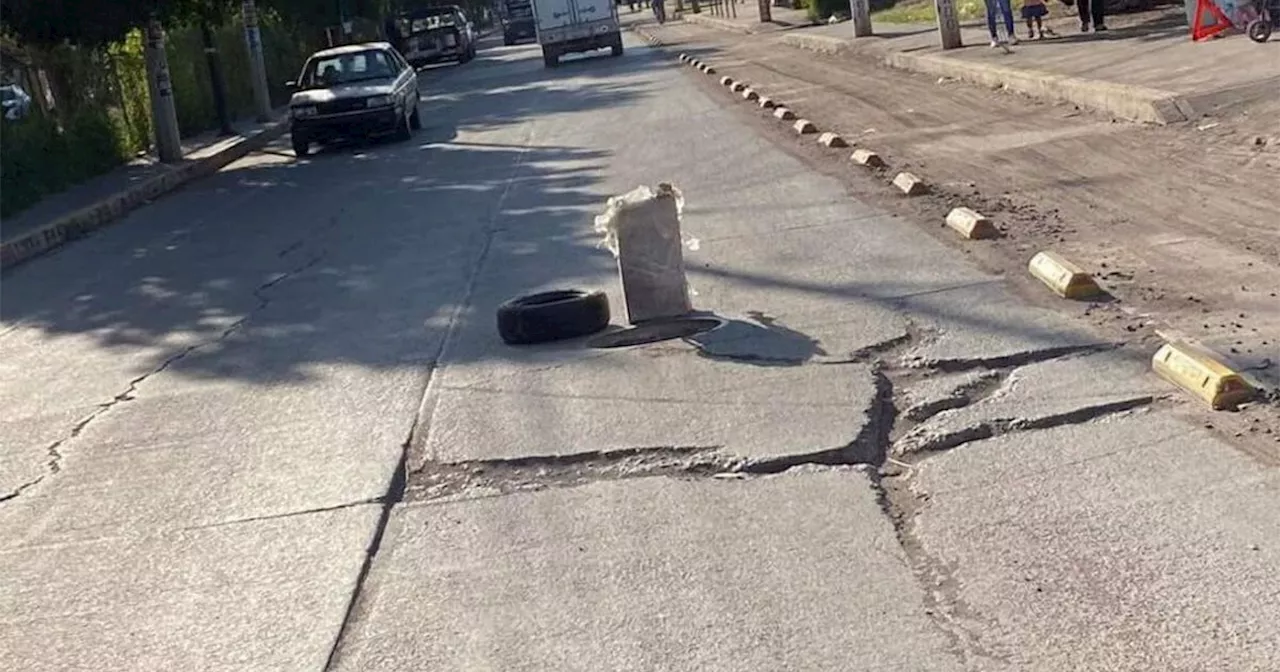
<point x="1134" y="103"/>
<point x="80" y="223"/>
<point x="719" y="24"/>
<point x="818" y="43"/>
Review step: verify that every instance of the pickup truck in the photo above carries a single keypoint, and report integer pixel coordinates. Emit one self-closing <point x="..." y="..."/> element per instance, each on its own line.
<point x="576" y="26"/>
<point x="433" y="34"/>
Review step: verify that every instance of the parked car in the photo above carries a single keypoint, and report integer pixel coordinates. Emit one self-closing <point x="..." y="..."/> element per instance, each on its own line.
<point x="433" y="34"/>
<point x="16" y="103"/>
<point x="353" y="91"/>
<point x="518" y="22"/>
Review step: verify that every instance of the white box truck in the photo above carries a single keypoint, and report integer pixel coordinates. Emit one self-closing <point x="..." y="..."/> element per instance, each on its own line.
<point x="575" y="26"/>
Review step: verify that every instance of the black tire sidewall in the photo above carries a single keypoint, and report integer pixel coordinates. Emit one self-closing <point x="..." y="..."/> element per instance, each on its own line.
<point x="527" y="320"/>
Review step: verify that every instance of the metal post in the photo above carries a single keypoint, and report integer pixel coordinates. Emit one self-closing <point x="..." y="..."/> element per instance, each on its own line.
<point x="164" y="115"/>
<point x="948" y="24"/>
<point x="216" y="80"/>
<point x="860" y="13"/>
<point x="257" y="69"/>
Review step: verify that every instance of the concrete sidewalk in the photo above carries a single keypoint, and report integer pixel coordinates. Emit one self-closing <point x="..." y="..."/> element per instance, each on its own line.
<point x="103" y="199"/>
<point x="1146" y="68"/>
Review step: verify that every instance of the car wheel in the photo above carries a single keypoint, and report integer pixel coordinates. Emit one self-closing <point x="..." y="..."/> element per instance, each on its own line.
<point x="617" y="46"/>
<point x="403" y="130"/>
<point x="301" y="146"/>
<point x="552" y="316"/>
<point x="550" y="58"/>
<point x="415" y="117"/>
<point x="507" y="41"/>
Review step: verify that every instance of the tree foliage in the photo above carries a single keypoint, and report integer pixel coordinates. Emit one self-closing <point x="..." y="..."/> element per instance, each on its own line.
<point x="93" y="23"/>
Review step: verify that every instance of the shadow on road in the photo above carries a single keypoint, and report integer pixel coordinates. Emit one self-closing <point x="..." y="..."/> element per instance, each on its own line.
<point x="364" y="255"/>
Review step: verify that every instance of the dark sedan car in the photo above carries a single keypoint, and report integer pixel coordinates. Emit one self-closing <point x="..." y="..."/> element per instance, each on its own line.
<point x="353" y="91"/>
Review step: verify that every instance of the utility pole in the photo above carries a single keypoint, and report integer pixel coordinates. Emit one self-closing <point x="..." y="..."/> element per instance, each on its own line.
<point x="258" y="69"/>
<point x="215" y="79"/>
<point x="948" y="24"/>
<point x="860" y="13"/>
<point x="164" y="116"/>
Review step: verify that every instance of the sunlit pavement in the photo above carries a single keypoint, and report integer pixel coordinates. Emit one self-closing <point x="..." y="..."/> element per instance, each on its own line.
<point x="234" y="423"/>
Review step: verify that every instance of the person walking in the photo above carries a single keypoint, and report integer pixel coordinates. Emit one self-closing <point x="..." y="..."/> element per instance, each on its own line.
<point x="1092" y="11"/>
<point x="1005" y="10"/>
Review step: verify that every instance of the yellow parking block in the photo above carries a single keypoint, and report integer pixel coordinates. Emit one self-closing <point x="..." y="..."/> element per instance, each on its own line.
<point x="910" y="184"/>
<point x="971" y="225"/>
<point x="750" y="94"/>
<point x="830" y="139"/>
<point x="866" y="157"/>
<point x="726" y="81"/>
<point x="783" y="114"/>
<point x="1063" y="277"/>
<point x="1197" y="371"/>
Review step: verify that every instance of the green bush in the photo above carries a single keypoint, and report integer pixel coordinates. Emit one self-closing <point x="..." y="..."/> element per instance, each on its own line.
<point x="40" y="159"/>
<point x="104" y="108"/>
<point x="821" y="10"/>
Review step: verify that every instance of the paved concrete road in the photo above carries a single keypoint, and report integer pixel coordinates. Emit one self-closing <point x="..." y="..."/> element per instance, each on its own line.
<point x="208" y="407"/>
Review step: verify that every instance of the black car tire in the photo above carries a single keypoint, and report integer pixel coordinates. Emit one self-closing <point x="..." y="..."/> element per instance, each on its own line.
<point x="507" y="41"/>
<point x="617" y="46"/>
<point x="415" y="117"/>
<point x="552" y="316"/>
<point x="404" y="130"/>
<point x="550" y="58"/>
<point x="301" y="146"/>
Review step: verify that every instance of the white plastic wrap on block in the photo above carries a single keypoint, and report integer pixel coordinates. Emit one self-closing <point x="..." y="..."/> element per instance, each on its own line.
<point x="642" y="230"/>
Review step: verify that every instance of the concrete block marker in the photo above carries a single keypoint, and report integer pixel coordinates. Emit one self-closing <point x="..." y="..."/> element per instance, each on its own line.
<point x="708" y="69"/>
<point x="866" y="157"/>
<point x="1198" y="371"/>
<point x="750" y="94"/>
<point x="971" y="225"/>
<point x="738" y="86"/>
<point x="784" y="114"/>
<point x="726" y="81"/>
<point x="804" y="126"/>
<point x="830" y="139"/>
<point x="684" y="58"/>
<point x="1063" y="277"/>
<point x="766" y="102"/>
<point x="909" y="184"/>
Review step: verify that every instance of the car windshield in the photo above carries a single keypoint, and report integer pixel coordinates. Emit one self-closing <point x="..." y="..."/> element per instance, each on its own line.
<point x="346" y="68"/>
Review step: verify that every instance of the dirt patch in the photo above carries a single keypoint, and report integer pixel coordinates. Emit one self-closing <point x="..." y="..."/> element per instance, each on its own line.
<point x="1180" y="224"/>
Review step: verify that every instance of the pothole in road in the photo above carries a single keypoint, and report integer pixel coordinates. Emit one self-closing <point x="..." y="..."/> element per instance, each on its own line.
<point x="655" y="331"/>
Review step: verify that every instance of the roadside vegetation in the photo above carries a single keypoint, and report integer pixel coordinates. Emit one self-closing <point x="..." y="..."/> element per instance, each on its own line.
<point x="82" y="63"/>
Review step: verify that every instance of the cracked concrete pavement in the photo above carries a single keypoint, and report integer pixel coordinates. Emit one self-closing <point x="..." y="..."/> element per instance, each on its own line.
<point x="309" y="450"/>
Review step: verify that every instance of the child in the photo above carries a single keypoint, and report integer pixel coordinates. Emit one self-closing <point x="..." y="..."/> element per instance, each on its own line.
<point x="1032" y="12"/>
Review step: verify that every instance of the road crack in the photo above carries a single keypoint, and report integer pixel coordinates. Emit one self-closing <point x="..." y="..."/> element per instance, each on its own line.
<point x="54" y="453"/>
